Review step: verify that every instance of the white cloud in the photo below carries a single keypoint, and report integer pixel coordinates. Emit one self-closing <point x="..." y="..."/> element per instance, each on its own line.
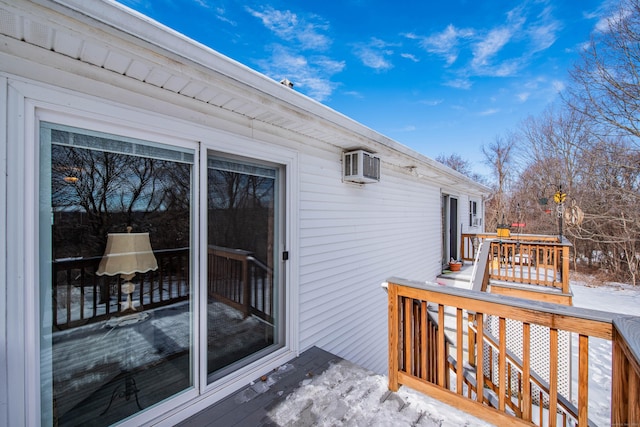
<point x="446" y="43"/>
<point x="432" y="102"/>
<point x="410" y="56"/>
<point x="523" y="96"/>
<point x="606" y="13"/>
<point x="489" y="112"/>
<point x="310" y="75"/>
<point x="288" y="26"/>
<point x="487" y="48"/>
<point x="221" y="15"/>
<point x="544" y="36"/>
<point x="558" y="85"/>
<point x="203" y="3"/>
<point x="500" y="51"/>
<point x="375" y="54"/>
<point x="460" y="83"/>
<point x="354" y="94"/>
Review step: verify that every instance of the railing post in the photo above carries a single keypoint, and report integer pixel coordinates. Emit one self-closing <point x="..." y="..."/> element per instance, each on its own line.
<point x="564" y="274"/>
<point x="619" y="368"/>
<point x="394" y="327"/>
<point x="625" y="372"/>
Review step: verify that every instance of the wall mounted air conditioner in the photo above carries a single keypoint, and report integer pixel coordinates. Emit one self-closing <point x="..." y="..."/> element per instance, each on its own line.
<point x="360" y="166"/>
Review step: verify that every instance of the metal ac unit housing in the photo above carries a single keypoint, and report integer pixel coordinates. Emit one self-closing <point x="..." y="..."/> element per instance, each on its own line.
<point x="360" y="166"/>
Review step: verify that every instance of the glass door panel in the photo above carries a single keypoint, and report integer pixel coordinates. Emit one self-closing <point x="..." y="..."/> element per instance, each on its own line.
<point x="242" y="291"/>
<point x="115" y="263"/>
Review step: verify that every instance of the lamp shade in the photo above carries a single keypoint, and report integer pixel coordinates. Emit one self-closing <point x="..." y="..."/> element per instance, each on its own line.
<point x="127" y="253"/>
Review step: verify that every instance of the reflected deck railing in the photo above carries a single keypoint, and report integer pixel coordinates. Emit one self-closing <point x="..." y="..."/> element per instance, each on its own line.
<point x="450" y="366"/>
<point x="235" y="277"/>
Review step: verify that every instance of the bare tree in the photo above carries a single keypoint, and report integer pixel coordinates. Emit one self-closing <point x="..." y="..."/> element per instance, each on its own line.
<point x="606" y="84"/>
<point x="459" y="164"/>
<point x="605" y="90"/>
<point x="499" y="157"/>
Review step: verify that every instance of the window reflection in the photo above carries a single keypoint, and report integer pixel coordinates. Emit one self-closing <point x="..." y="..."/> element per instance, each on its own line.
<point x="242" y="316"/>
<point x="103" y="364"/>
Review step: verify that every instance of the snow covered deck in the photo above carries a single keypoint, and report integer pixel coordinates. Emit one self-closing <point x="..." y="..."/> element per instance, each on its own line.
<point x="321" y="389"/>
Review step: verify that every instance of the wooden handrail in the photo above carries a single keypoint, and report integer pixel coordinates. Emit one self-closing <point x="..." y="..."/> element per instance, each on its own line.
<point x="479" y="307"/>
<point x="537" y="260"/>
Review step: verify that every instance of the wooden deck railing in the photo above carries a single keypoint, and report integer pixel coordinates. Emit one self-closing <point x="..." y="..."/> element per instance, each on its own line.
<point x="469" y="241"/>
<point x="450" y="364"/>
<point x="524" y="259"/>
<point x="235" y="277"/>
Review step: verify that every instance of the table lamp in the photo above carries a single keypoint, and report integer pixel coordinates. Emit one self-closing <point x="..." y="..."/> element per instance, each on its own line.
<point x="127" y="254"/>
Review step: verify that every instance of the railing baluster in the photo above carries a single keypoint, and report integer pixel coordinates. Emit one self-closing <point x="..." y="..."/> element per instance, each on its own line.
<point x="407" y="334"/>
<point x="424" y="345"/>
<point x="509" y="382"/>
<point x="442" y="355"/>
<point x="541" y="407"/>
<point x="434" y="352"/>
<point x="459" y="352"/>
<point x="502" y="363"/>
<point x="415" y="339"/>
<point x="526" y="372"/>
<point x="480" y="357"/>
<point x="583" y="379"/>
<point x="553" y="376"/>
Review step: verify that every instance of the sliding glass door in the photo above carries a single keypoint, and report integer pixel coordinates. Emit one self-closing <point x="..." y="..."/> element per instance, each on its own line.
<point x="243" y="291"/>
<point x="116" y="255"/>
<point x="118" y="259"/>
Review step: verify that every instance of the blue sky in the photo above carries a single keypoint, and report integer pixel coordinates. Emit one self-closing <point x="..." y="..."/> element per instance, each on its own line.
<point x="441" y="77"/>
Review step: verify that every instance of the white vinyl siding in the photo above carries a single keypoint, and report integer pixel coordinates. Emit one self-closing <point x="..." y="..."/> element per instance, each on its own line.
<point x="352" y="238"/>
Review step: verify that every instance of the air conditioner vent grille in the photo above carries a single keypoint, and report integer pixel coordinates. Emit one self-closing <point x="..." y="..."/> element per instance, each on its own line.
<point x="361" y="167"/>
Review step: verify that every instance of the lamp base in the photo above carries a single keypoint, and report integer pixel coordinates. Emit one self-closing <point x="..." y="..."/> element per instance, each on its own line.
<point x="127" y="306"/>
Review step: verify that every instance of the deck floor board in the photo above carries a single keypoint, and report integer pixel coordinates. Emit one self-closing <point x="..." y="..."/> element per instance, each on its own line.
<point x="248" y="407"/>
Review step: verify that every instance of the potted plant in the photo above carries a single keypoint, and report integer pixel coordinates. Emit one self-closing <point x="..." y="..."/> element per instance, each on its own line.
<point x="455" y="265"/>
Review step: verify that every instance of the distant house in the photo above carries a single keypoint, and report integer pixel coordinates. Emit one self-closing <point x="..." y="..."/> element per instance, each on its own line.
<point x="272" y="221"/>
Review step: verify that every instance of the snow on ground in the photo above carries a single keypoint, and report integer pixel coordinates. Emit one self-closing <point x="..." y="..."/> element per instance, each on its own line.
<point x="615" y="298"/>
<point x="346" y="394"/>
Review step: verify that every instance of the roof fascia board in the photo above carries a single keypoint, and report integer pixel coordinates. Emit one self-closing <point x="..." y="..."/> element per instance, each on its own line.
<point x="124" y="24"/>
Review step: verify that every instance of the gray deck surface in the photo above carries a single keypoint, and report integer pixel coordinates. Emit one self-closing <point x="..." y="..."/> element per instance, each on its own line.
<point x="248" y="407"/>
